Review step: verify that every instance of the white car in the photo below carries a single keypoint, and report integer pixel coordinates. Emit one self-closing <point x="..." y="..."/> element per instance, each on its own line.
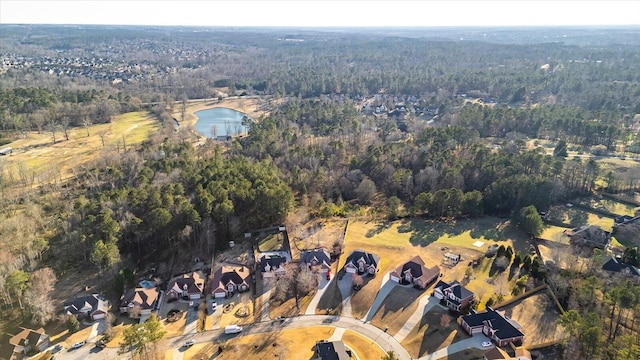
<point x="189" y="343"/>
<point x="487" y="344"/>
<point x="77" y="345"/>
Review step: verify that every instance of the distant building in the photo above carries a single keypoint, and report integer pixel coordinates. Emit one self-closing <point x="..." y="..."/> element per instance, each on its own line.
<point x="589" y="236"/>
<point x="319" y="258"/>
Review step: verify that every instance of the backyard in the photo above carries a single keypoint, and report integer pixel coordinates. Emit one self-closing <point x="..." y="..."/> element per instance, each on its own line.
<point x="433" y="333"/>
<point x="538" y="316"/>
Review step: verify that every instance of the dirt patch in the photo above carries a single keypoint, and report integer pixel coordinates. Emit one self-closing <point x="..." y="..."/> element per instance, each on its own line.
<point x="538" y="316"/>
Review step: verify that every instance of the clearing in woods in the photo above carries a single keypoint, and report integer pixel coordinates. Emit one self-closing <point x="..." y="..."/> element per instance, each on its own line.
<point x="36" y="159"/>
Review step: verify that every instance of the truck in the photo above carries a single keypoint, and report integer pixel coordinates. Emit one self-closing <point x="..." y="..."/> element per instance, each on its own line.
<point x="232" y="329"/>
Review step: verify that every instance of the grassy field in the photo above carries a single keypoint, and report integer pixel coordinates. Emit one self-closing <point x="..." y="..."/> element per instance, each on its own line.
<point x="538" y="316"/>
<point x="362" y="346"/>
<point x="37" y="157"/>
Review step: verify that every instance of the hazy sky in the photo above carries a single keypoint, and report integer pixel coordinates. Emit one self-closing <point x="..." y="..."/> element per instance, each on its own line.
<point x="321" y="13"/>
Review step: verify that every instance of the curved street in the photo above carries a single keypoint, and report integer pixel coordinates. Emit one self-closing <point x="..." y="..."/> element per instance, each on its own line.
<point x="386" y="341"/>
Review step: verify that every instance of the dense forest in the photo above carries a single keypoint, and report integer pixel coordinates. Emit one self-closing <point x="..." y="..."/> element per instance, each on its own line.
<point x="459" y="137"/>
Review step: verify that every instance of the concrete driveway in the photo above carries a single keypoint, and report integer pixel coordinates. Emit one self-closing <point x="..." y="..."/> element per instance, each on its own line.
<point x="425" y="304"/>
<point x="345" y="290"/>
<point x="191" y="321"/>
<point x="385" y="288"/>
<point x="322" y="287"/>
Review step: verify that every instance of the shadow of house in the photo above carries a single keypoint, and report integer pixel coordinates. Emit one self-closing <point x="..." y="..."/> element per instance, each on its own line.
<point x="494" y="325"/>
<point x="92" y="306"/>
<point x="229" y="279"/>
<point x="415" y="272"/>
<point x="29" y="341"/>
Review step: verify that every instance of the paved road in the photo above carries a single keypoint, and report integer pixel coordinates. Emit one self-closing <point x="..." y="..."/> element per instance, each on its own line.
<point x="322" y="287"/>
<point x="386" y="341"/>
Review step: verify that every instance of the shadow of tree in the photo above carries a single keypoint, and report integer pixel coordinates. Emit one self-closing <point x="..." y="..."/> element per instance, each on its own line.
<point x="514" y="271"/>
<point x="426" y="231"/>
<point x="380" y="227"/>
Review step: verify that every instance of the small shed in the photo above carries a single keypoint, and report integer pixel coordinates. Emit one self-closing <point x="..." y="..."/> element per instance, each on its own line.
<point x="450" y="258"/>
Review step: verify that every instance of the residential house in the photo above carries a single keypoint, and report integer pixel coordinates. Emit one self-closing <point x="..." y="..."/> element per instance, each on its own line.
<point x="362" y="262"/>
<point x="189" y="286"/>
<point x="229" y="279"/>
<point x="454" y="296"/>
<point x="139" y="301"/>
<point x="331" y="350"/>
<point x="29" y="340"/>
<point x="415" y="272"/>
<point x="494" y="325"/>
<point x="588" y="235"/>
<point x="616" y="265"/>
<point x="272" y="265"/>
<point x="319" y="258"/>
<point x="94" y="306"/>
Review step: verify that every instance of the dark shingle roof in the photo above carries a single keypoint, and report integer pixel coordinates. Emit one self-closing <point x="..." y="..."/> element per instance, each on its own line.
<point x="331" y="350"/>
<point x="503" y="327"/>
<point x="370" y="259"/>
<point x="616" y="265"/>
<point x="319" y="255"/>
<point x="273" y="262"/>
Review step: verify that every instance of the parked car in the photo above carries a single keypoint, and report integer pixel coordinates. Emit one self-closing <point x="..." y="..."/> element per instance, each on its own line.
<point x="232" y="329"/>
<point x="77" y="345"/>
<point x="189" y="343"/>
<point x="328" y="274"/>
<point x="57" y="348"/>
<point x="486" y="344"/>
<point x="279" y="319"/>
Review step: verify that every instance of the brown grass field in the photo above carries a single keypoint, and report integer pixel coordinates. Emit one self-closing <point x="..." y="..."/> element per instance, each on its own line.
<point x="430" y="336"/>
<point x="37" y="157"/>
<point x="538" y="316"/>
<point x="286" y="344"/>
<point x="399" y="241"/>
<point x="398" y="308"/>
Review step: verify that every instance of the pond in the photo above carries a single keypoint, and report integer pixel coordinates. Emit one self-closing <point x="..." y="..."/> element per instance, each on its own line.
<point x="220" y="122"/>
